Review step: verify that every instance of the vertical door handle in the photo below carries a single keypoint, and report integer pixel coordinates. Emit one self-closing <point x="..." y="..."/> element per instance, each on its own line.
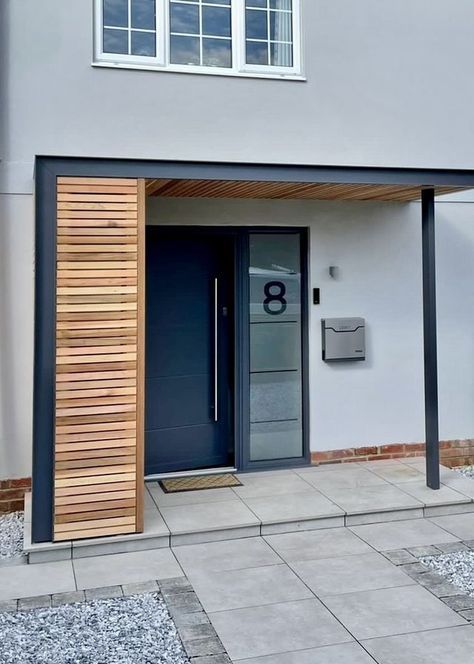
<point x="216" y="350"/>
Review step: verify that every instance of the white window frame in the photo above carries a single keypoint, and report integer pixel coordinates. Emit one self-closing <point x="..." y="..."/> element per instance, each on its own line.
<point x="161" y="62"/>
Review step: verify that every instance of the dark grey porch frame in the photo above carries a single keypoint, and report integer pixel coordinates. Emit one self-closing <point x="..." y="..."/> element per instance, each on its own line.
<point x="49" y="168"/>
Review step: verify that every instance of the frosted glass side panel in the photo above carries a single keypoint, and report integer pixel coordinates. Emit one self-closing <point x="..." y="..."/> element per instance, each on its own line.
<point x="276" y="430"/>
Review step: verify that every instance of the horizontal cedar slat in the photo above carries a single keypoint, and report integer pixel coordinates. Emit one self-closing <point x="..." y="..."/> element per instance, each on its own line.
<point x="94" y="411"/>
<point x="98" y="198"/>
<point x="99" y="187"/>
<point x="75" y="455"/>
<point x="106" y="420"/>
<point x="106" y="513"/>
<point x="94" y="350"/>
<point x="71" y="342"/>
<point x="95" y="401"/>
<point x="97" y="462"/>
<point x="97" y="376"/>
<point x="95" y="524"/>
<point x="104" y="290"/>
<point x="65" y="504"/>
<point x="78" y="494"/>
<point x="105" y="181"/>
<point x="76" y="446"/>
<point x="91" y="480"/>
<point x="119" y="264"/>
<point x="96" y="426"/>
<point x="105" y="325"/>
<point x="91" y="439"/>
<point x="122" y="385"/>
<point x="95" y="532"/>
<point x="93" y="240"/>
<point x="96" y="223"/>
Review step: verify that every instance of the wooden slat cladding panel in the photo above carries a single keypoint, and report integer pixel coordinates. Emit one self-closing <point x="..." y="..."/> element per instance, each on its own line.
<point x="98" y="483"/>
<point x="287" y="190"/>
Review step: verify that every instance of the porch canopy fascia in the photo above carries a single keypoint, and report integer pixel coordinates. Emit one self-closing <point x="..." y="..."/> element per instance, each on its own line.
<point x="228" y="180"/>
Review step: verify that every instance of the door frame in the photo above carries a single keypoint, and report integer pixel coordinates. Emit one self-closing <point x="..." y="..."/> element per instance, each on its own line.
<point x="241" y="341"/>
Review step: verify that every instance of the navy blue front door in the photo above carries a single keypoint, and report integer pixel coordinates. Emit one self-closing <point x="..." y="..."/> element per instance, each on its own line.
<point x="189" y="350"/>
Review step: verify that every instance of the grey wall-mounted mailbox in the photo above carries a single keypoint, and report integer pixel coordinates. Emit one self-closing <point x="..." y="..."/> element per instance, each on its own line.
<point x="343" y="339"/>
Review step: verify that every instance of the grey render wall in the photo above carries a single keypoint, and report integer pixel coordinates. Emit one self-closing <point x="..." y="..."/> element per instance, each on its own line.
<point x="388" y="84"/>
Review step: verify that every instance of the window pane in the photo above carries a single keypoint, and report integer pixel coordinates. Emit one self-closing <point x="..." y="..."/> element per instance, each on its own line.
<point x="280" y="26"/>
<point x="184" y="50"/>
<point x="256" y="24"/>
<point x="184" y="18"/>
<point x="143" y="14"/>
<point x="280" y="4"/>
<point x="216" y="21"/>
<point x="218" y="2"/>
<point x="115" y="41"/>
<point x="281" y="55"/>
<point x="216" y="52"/>
<point x="256" y="3"/>
<point x="276" y="429"/>
<point x="143" y="43"/>
<point x="116" y="14"/>
<point x="256" y="53"/>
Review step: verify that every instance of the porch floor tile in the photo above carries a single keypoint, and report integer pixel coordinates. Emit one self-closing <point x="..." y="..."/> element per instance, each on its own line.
<point x="294" y="506"/>
<point x="124" y="568"/>
<point x="192" y="518"/>
<point x="459" y="525"/>
<point x="371" y="498"/>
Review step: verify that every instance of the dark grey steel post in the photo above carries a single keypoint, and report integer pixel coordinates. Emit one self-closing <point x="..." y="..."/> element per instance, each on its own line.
<point x="430" y="338"/>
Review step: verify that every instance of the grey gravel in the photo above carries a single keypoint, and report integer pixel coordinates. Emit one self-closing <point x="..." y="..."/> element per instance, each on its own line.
<point x="466" y="471"/>
<point x="129" y="630"/>
<point x="11" y="536"/>
<point x="457" y="568"/>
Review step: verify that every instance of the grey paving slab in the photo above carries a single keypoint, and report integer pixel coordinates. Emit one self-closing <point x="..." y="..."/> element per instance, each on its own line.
<point x="277" y="628"/>
<point x="208" y="516"/>
<point x="226" y="555"/>
<point x="124" y="568"/>
<point x="351" y="477"/>
<point x="163" y="499"/>
<point x="443" y="496"/>
<point x="391" y="611"/>
<point x="458" y="483"/>
<point x="235" y="589"/>
<point x="298" y="525"/>
<point x="272" y="485"/>
<point x="385" y="515"/>
<point x="459" y="525"/>
<point x="402" y="534"/>
<point x="30" y="580"/>
<point x="398" y="473"/>
<point x="335" y="467"/>
<point x="371" y="498"/>
<point x="335" y="576"/>
<point x="343" y="653"/>
<point x="454" y="645"/>
<point x="316" y="544"/>
<point x="275" y="509"/>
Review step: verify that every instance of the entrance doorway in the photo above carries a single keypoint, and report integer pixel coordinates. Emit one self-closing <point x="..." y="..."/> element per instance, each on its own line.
<point x="189" y="414"/>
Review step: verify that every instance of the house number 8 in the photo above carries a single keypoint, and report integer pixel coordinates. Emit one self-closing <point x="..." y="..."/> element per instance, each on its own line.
<point x="272" y="296"/>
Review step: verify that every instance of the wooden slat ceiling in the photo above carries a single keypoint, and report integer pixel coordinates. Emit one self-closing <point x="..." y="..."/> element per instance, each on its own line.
<point x="287" y="190"/>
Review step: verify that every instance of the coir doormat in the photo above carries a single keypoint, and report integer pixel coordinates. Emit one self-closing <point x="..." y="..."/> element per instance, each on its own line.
<point x="199" y="482"/>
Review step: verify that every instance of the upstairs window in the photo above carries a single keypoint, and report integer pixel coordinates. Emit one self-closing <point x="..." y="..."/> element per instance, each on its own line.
<point x="235" y="37"/>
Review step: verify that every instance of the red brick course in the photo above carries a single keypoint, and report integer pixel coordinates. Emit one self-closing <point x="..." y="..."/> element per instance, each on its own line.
<point x="452" y="452"/>
<point x="12" y="493"/>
